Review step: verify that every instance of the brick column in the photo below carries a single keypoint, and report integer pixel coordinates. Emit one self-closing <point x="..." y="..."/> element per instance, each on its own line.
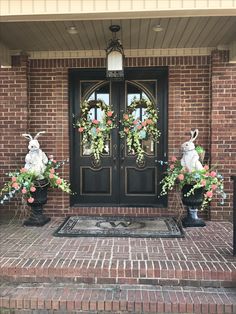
<point x="48" y="99"/>
<point x="223" y="130"/>
<point x="13" y="116"/>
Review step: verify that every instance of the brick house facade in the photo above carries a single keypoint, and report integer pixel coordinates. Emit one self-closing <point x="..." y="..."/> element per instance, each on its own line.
<point x="201" y="94"/>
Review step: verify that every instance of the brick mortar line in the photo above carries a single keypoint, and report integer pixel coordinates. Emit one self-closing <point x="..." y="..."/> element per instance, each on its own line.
<point x="109" y="281"/>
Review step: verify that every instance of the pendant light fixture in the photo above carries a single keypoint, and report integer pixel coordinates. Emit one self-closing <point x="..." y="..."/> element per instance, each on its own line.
<point x="114" y="56"/>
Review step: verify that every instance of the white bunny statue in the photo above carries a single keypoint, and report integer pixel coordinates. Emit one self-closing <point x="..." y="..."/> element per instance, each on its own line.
<point x="190" y="157"/>
<point x="36" y="159"/>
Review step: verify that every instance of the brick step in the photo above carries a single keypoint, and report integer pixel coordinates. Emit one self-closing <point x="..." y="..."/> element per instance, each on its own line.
<point x="77" y="298"/>
<point x="204" y="274"/>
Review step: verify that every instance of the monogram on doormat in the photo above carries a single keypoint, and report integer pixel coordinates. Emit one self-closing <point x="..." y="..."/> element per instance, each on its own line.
<point x="138" y="227"/>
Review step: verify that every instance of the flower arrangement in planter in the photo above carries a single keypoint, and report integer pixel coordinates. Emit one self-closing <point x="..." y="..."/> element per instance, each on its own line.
<point x="36" y="176"/>
<point x="199" y="184"/>
<point x="24" y="182"/>
<point x="95" y="132"/>
<point x="136" y="130"/>
<point x="207" y="178"/>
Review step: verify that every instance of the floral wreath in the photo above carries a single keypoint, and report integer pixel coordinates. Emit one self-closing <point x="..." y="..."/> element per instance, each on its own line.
<point x="95" y="132"/>
<point x="136" y="130"/>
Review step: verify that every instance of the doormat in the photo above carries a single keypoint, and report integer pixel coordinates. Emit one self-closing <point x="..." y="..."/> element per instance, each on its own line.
<point x="136" y="227"/>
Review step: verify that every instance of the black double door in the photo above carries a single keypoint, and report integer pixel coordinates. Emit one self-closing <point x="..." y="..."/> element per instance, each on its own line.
<point x="118" y="180"/>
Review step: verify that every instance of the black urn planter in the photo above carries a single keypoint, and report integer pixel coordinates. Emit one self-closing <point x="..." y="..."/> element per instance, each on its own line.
<point x="193" y="202"/>
<point x="37" y="218"/>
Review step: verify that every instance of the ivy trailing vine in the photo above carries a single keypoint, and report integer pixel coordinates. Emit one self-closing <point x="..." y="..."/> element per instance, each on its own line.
<point x="136" y="130"/>
<point x="95" y="132"/>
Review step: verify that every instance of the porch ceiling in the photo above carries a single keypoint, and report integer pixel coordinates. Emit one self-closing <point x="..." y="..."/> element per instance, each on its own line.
<point x="136" y="33"/>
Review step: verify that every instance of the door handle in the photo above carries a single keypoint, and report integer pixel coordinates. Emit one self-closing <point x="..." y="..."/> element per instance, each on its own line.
<point x="114" y="152"/>
<point x="122" y="156"/>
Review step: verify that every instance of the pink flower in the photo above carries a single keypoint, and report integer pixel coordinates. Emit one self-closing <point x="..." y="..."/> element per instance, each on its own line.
<point x="181" y="177"/>
<point x="126" y="117"/>
<point x="214" y="187"/>
<point x="139" y="127"/>
<point x="149" y="121"/>
<point x="98" y="130"/>
<point x="95" y="121"/>
<point x="173" y="159"/>
<point x="80" y="129"/>
<point x="135" y="122"/>
<point x="23" y="170"/>
<point x="109" y="113"/>
<point x="15" y="185"/>
<point x="13" y="179"/>
<point x="50" y="156"/>
<point x="30" y="200"/>
<point x="126" y="130"/>
<point x="206" y="167"/>
<point x="209" y="194"/>
<point x="52" y="170"/>
<point x="213" y="174"/>
<point x="203" y="182"/>
<point x="144" y="123"/>
<point x="51" y="175"/>
<point x="24" y="191"/>
<point x="172" y="167"/>
<point x="32" y="189"/>
<point x="109" y="122"/>
<point x="59" y="181"/>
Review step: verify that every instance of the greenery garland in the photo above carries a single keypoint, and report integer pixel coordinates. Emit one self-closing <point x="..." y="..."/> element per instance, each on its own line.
<point x="135" y="130"/>
<point x="95" y="132"/>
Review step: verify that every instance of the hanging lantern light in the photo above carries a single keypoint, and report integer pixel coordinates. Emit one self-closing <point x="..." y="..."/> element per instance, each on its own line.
<point x="115" y="56"/>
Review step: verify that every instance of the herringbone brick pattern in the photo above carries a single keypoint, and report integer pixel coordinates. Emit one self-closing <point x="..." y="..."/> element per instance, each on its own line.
<point x="41" y="273"/>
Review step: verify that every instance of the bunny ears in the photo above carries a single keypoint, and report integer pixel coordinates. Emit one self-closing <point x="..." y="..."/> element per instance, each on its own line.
<point x="30" y="138"/>
<point x="194" y="135"/>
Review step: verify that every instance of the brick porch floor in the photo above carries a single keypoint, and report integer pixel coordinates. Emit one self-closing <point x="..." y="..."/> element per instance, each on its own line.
<point x="39" y="272"/>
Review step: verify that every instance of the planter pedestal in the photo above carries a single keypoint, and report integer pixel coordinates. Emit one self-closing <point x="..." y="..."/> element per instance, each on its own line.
<point x="193" y="201"/>
<point x="192" y="219"/>
<point x="37" y="218"/>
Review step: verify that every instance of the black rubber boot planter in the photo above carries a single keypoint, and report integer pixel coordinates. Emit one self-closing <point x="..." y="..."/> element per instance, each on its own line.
<point x="193" y="202"/>
<point x="37" y="218"/>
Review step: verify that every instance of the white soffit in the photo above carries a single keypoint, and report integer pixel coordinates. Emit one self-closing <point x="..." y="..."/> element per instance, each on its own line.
<point x="18" y="10"/>
<point x="190" y="27"/>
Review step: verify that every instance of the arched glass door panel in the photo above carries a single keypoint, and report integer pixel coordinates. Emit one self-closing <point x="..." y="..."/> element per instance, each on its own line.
<point x="94" y="94"/>
<point x="138" y="91"/>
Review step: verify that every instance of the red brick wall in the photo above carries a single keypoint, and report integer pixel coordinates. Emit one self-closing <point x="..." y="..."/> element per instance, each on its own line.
<point x="13" y="117"/>
<point x="48" y="98"/>
<point x="189" y="108"/>
<point x="223" y="125"/>
<point x="189" y="105"/>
